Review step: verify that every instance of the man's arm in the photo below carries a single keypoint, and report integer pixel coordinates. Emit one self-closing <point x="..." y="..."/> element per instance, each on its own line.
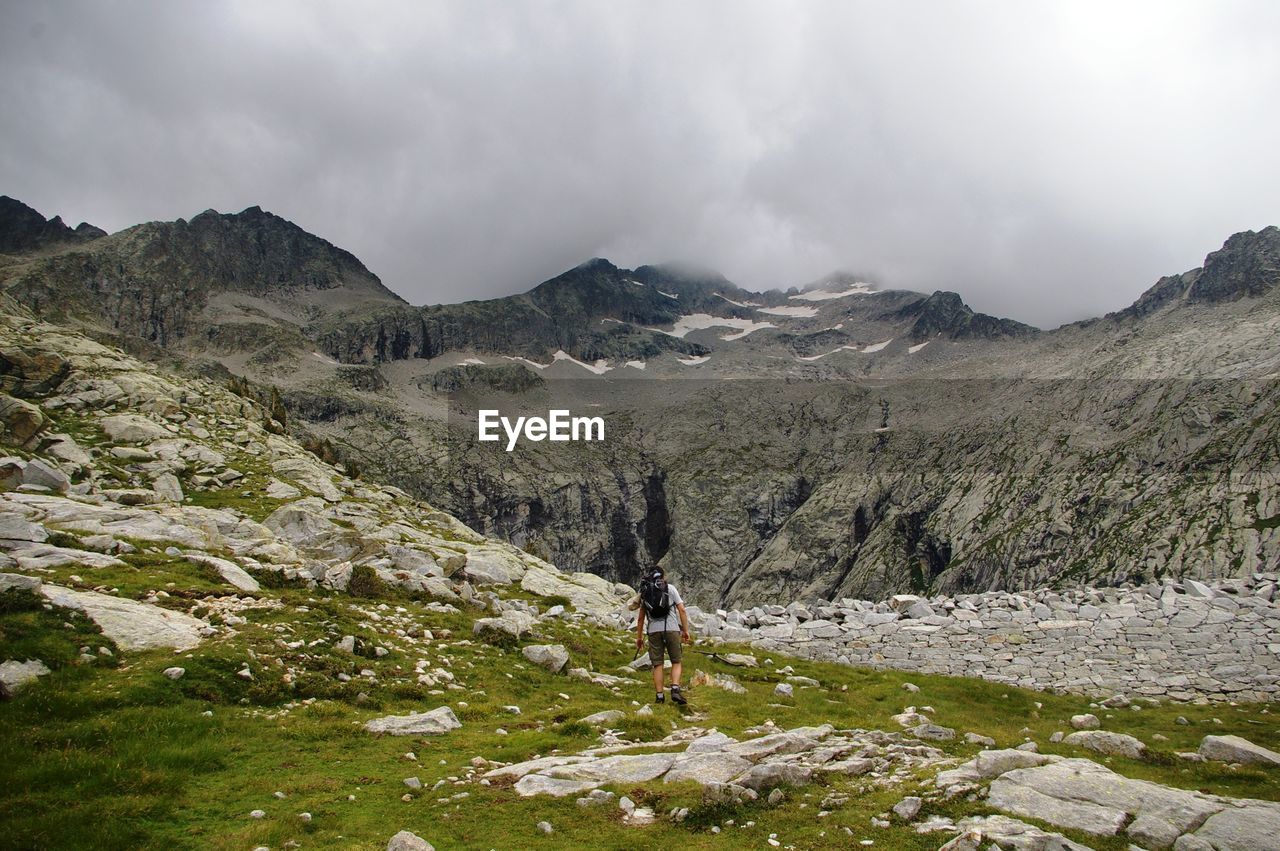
<point x="640" y="627"/>
<point x="684" y="622"/>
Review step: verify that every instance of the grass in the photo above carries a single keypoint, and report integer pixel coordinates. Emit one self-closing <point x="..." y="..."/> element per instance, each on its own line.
<point x="114" y="755"/>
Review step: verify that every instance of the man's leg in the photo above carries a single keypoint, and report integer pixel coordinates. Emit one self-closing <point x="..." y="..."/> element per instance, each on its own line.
<point x="675" y="673"/>
<point x="657" y="678"/>
<point x="675" y="651"/>
<point x="655" y="658"/>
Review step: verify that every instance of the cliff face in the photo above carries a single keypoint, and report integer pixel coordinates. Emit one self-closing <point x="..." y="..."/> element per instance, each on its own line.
<point x="22" y="229"/>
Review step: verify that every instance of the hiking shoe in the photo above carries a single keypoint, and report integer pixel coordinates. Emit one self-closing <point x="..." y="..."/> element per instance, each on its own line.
<point x="662" y="698"/>
<point x="677" y="696"/>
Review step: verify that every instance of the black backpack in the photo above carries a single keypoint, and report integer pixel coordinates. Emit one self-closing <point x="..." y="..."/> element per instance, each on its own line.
<point x="656" y="599"/>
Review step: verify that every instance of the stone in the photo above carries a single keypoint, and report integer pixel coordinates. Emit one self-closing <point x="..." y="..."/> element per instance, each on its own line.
<point x="908" y="807"/>
<point x="19" y="421"/>
<point x="413" y="783"/>
<point x="15" y="528"/>
<point x="545" y="827"/>
<point x="41" y="474"/>
<point x="31" y="371"/>
<point x="230" y="572"/>
<point x="704" y="768"/>
<point x="1003" y="832"/>
<point x="1236" y="749"/>
<point x="1251" y="826"/>
<point x="772" y="774"/>
<point x="20" y="582"/>
<point x="168" y="488"/>
<point x="605" y="718"/>
<point x="615" y="769"/>
<point x="406" y="841"/>
<point x="933" y="732"/>
<point x="553" y="657"/>
<point x="346" y="644"/>
<point x="516" y="624"/>
<point x="979" y="739"/>
<point x="175" y="672"/>
<point x="740" y="660"/>
<point x="133" y="428"/>
<point x="433" y="723"/>
<point x="15" y="676"/>
<point x="277" y="489"/>
<point x="1112" y="744"/>
<point x="784" y="690"/>
<point x="1087" y="721"/>
<point x="131" y="624"/>
<point x="538" y="784"/>
<point x="490" y="566"/>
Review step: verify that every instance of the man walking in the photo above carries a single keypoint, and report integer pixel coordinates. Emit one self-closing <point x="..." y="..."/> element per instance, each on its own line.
<point x="658" y="598"/>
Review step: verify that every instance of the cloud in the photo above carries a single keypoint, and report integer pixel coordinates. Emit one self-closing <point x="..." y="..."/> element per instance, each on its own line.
<point x="1046" y="160"/>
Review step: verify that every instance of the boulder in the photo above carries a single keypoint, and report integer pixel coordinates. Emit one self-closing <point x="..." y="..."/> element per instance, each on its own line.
<point x="1088" y="721"/>
<point x="230" y="572"/>
<point x="19" y="421"/>
<point x="14" y="528"/>
<point x="704" y="768"/>
<point x="770" y="775"/>
<point x="538" y="784"/>
<point x="624" y="769"/>
<point x="20" y="582"/>
<point x="933" y="732"/>
<point x="1251" y="825"/>
<point x="1236" y="749"/>
<point x="133" y="428"/>
<point x="14" y="676"/>
<point x="434" y="723"/>
<point x="132" y="625"/>
<point x="604" y="718"/>
<point x="1003" y="832"/>
<point x="491" y="566"/>
<point x="1111" y="744"/>
<point x="553" y="657"/>
<point x="168" y="488"/>
<point x="29" y="371"/>
<point x="406" y="841"/>
<point x="516" y="624"/>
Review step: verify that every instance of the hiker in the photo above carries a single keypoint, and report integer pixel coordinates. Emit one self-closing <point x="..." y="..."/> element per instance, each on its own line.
<point x="658" y="599"/>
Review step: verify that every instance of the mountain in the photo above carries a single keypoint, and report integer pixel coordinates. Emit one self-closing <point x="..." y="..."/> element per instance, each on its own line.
<point x="22" y="229"/>
<point x="845" y="439"/>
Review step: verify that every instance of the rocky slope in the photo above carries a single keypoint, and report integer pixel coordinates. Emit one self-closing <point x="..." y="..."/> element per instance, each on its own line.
<point x="266" y="652"/>
<point x="872" y="441"/>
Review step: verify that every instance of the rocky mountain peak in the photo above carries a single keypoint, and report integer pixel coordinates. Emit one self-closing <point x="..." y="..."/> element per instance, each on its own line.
<point x="23" y="229"/>
<point x="1248" y="264"/>
<point x="945" y="313"/>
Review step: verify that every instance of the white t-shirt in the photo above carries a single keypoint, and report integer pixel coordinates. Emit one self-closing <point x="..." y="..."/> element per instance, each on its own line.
<point x="671" y="623"/>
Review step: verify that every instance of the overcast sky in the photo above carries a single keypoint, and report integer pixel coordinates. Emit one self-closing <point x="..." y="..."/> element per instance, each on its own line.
<point x="1047" y="160"/>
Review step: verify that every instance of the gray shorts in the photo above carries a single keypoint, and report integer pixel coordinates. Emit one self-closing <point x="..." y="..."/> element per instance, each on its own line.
<point x="669" y="641"/>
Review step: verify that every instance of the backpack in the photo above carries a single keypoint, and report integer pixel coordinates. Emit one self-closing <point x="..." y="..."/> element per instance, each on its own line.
<point x="654" y="598"/>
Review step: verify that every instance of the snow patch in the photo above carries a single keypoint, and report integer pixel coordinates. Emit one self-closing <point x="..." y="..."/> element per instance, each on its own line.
<point x="917" y="347"/>
<point x="793" y="311"/>
<point x="824" y="354"/>
<point x="739" y="303"/>
<point x="702" y="321"/>
<point x="668" y="295"/>
<point x="858" y="288"/>
<point x="600" y="367"/>
<point x="634" y="281"/>
<point x="875" y="347"/>
<point x="324" y="359"/>
<point x="635" y="364"/>
<point x="695" y="360"/>
<point x="475" y="361"/>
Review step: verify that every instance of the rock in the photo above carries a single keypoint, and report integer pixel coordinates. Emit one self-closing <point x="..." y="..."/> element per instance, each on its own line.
<point x="545" y="827"/>
<point x="615" y="769"/>
<point x="538" y="784"/>
<point x="433" y="723"/>
<point x="491" y="566"/>
<point x="230" y="572"/>
<point x="17" y="581"/>
<point x="14" y="528"/>
<point x="783" y="690"/>
<point x="168" y="488"/>
<point x="175" y="673"/>
<point x="908" y="808"/>
<point x="777" y="796"/>
<point x="64" y="448"/>
<point x="595" y="798"/>
<point x="406" y="841"/>
<point x="1082" y="795"/>
<point x="133" y="428"/>
<point x="257" y="814"/>
<point x="605" y="718"/>
<point x="910" y="687"/>
<point x="1112" y="744"/>
<point x="1236" y="749"/>
<point x="704" y="768"/>
<point x="516" y="624"/>
<point x="740" y="660"/>
<point x="30" y="371"/>
<point x="1004" y="832"/>
<point x="933" y="732"/>
<point x="347" y="644"/>
<point x="1250" y="826"/>
<point x="130" y="624"/>
<point x="15" y="676"/>
<point x="1085" y="722"/>
<point x="771" y="774"/>
<point x="413" y="783"/>
<point x="804" y="681"/>
<point x="41" y="474"/>
<point x="553" y="657"/>
<point x="19" y="421"/>
<point x="978" y="739"/>
<point x="277" y="489"/>
<point x="716" y="680"/>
